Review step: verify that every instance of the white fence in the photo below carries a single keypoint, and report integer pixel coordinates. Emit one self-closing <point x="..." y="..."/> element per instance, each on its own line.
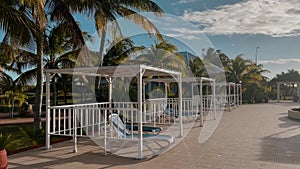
<point x="91" y="120"/>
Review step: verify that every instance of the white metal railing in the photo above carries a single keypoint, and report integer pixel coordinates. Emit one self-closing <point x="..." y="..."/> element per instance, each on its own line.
<point x="91" y="120"/>
<point x="78" y="120"/>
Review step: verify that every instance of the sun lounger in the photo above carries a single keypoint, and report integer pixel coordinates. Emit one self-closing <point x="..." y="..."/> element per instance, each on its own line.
<point x="123" y="133"/>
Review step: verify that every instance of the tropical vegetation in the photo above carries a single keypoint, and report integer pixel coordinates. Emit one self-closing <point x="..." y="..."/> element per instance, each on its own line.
<point x="36" y="30"/>
<point x="39" y="34"/>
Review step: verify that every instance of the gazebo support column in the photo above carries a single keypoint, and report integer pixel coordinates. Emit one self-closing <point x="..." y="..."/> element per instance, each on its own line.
<point x="180" y="105"/>
<point x="140" y="112"/>
<point x="201" y="104"/>
<point x="48" y="111"/>
<point x="298" y="92"/>
<point x="278" y="92"/>
<point x="214" y="99"/>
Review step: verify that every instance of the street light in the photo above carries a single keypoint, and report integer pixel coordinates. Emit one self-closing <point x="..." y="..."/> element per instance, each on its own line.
<point x="79" y="83"/>
<point x="256" y="55"/>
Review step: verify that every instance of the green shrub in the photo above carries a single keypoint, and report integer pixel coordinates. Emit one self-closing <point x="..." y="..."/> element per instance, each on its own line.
<point x="6" y="141"/>
<point x="30" y="136"/>
<point x="4" y="109"/>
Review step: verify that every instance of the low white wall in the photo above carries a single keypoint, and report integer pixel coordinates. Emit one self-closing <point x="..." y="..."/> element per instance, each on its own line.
<point x="294" y="114"/>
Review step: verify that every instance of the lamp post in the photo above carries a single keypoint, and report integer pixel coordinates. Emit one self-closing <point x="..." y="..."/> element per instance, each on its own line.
<point x="80" y="84"/>
<point x="256" y="50"/>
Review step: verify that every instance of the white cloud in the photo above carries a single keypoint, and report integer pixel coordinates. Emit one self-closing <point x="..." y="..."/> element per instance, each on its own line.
<point x="279" y="61"/>
<point x="185" y="2"/>
<point x="271" y="17"/>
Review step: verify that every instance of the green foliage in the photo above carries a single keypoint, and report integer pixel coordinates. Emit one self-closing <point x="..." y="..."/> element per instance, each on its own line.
<point x="30" y="136"/>
<point x="4" y="109"/>
<point x="6" y="141"/>
<point x="238" y="70"/>
<point x="102" y="93"/>
<point x="256" y="93"/>
<point x="198" y="68"/>
<point x="289" y="76"/>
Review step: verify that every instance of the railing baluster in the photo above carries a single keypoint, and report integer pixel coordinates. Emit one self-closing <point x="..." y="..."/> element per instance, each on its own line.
<point x="59" y="121"/>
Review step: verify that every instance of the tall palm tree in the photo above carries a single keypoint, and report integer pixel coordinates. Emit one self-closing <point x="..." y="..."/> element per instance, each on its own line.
<point x="109" y="10"/>
<point x="61" y="52"/>
<point x="36" y="11"/>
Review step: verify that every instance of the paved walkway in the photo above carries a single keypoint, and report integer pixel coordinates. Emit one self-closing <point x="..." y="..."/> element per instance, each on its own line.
<point x="259" y="136"/>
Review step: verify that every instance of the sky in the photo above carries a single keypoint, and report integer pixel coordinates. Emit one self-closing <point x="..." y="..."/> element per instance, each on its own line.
<point x="240" y="26"/>
<point x="269" y="29"/>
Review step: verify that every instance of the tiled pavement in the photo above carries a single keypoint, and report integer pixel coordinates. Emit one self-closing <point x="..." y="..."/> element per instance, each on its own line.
<point x="258" y="136"/>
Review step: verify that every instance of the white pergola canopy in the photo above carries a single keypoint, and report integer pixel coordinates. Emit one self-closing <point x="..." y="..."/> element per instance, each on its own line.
<point x="116" y="71"/>
<point x="110" y="72"/>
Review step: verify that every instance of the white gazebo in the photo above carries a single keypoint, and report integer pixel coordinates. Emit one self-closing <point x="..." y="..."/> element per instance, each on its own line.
<point x="198" y="103"/>
<point x="231" y="97"/>
<point x="90" y="120"/>
<point x="283" y="83"/>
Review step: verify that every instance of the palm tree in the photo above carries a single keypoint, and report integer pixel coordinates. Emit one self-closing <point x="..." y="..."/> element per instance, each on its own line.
<point x="164" y="55"/>
<point x="61" y="53"/>
<point x="34" y="13"/>
<point x="251" y="75"/>
<point x="119" y="52"/>
<point x="109" y="10"/>
<point x="240" y="69"/>
<point x="13" y="96"/>
<point x="198" y="68"/>
<point x="13" y="92"/>
<point x="34" y="21"/>
<point x="15" y="23"/>
<point x="64" y="83"/>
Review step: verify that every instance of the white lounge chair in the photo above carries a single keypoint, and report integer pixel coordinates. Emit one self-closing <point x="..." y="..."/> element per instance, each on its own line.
<point x="162" y="141"/>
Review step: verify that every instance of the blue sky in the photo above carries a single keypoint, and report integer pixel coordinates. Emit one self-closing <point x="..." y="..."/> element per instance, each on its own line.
<point x="239" y="26"/>
<point x="233" y="26"/>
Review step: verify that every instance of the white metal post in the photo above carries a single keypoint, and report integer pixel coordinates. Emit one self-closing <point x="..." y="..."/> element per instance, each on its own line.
<point x="201" y="104"/>
<point x="105" y="131"/>
<point x="144" y="101"/>
<point x="278" y="92"/>
<point x="180" y="105"/>
<point x="48" y="111"/>
<point x="234" y="95"/>
<point x="229" y="93"/>
<point x="75" y="130"/>
<point x="214" y="99"/>
<point x="110" y="92"/>
<point x="241" y="94"/>
<point x="298" y="92"/>
<point x="140" y="124"/>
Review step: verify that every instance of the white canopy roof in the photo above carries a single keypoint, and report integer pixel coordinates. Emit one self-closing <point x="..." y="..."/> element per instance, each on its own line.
<point x="116" y="71"/>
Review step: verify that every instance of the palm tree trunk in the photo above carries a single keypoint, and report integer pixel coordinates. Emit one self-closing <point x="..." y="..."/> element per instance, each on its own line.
<point x="101" y="51"/>
<point x="39" y="85"/>
<point x="101" y="54"/>
<point x="12" y="109"/>
<point x="65" y="96"/>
